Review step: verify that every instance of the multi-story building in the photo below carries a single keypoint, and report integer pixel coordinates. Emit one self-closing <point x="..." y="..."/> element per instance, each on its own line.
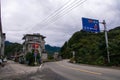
<point x="34" y="42"/>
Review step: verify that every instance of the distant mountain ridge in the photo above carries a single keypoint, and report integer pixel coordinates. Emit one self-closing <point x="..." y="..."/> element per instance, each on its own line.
<point x="8" y="43"/>
<point x="50" y="49"/>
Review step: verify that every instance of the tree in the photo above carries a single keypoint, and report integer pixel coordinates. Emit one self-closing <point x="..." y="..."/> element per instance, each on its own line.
<point x="30" y="58"/>
<point x="90" y="47"/>
<point x="12" y="48"/>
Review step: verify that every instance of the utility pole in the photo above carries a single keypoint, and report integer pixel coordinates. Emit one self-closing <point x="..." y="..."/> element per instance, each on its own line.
<point x="106" y="39"/>
<point x="0" y="31"/>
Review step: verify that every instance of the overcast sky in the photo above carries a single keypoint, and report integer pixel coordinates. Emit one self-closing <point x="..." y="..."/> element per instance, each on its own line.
<point x="55" y="19"/>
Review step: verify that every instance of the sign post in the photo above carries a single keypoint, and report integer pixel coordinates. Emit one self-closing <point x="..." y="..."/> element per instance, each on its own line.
<point x="92" y="25"/>
<point x="106" y="39"/>
<point x="35" y="46"/>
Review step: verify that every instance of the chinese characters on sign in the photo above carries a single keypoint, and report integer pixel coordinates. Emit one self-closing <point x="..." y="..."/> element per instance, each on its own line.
<point x="90" y="25"/>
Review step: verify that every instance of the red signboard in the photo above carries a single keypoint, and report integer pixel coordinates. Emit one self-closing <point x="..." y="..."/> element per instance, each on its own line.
<point x="35" y="45"/>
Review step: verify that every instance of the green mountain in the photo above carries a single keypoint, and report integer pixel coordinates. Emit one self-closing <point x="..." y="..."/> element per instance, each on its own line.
<point x="11" y="48"/>
<point x="90" y="48"/>
<point x="51" y="49"/>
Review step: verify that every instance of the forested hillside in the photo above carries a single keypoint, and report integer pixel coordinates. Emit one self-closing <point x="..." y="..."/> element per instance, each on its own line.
<point x="51" y="49"/>
<point x="11" y="48"/>
<point x="90" y="48"/>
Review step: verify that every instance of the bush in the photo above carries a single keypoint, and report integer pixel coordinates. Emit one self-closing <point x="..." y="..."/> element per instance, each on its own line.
<point x="30" y="59"/>
<point x="72" y="60"/>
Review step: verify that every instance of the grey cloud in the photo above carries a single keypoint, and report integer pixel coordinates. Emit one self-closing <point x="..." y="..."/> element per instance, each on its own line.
<point x="26" y="16"/>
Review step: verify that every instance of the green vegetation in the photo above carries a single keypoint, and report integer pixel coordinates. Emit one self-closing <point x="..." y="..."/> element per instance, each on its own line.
<point x="51" y="49"/>
<point x="12" y="48"/>
<point x="90" y="48"/>
<point x="30" y="58"/>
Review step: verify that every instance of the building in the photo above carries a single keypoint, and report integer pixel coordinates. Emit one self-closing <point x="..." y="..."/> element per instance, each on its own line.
<point x="2" y="36"/>
<point x="34" y="42"/>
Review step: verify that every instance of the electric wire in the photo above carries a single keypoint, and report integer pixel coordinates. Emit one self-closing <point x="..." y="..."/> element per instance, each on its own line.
<point x="60" y="12"/>
<point x="62" y="9"/>
<point x="56" y="13"/>
<point x="65" y="12"/>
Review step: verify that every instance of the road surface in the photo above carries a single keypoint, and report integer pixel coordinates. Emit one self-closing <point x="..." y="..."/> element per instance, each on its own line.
<point x="16" y="71"/>
<point x="60" y="70"/>
<point x="13" y="70"/>
<point x="82" y="72"/>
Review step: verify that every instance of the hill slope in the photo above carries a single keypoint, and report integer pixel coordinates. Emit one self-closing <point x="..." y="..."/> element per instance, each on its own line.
<point x="90" y="48"/>
<point x="52" y="49"/>
<point x="11" y="48"/>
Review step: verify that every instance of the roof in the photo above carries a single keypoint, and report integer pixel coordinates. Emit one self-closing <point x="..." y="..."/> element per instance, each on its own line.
<point x="35" y="34"/>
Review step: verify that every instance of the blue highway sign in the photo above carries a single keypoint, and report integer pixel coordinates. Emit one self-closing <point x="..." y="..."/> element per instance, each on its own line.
<point x="90" y="25"/>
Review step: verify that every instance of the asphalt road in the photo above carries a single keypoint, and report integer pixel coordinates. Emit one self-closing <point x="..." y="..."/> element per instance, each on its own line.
<point x="16" y="71"/>
<point x="61" y="70"/>
<point x="81" y="72"/>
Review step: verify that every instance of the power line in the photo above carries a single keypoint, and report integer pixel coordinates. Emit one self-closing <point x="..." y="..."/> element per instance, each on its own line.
<point x="65" y="12"/>
<point x="56" y="12"/>
<point x="61" y="12"/>
<point x="53" y="13"/>
<point x="47" y="19"/>
<point x="63" y="9"/>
